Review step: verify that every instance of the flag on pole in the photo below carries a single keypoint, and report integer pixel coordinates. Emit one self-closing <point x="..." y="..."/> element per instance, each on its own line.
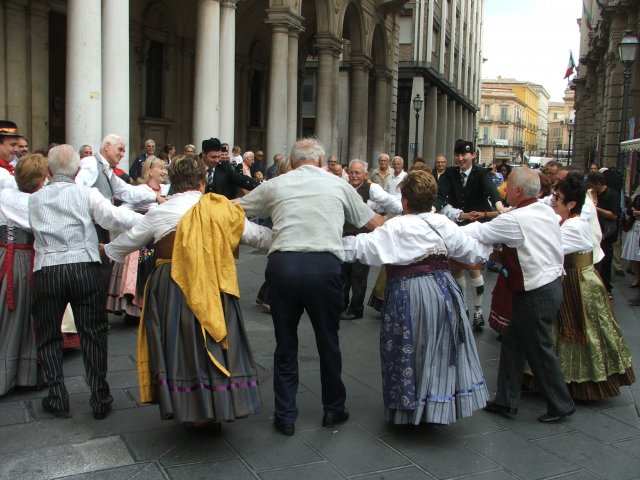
<point x="571" y="66"/>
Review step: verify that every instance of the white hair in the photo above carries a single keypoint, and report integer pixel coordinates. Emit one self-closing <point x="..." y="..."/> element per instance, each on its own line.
<point x="361" y="162"/>
<point x="63" y="160"/>
<point x="526" y="178"/>
<point x="111" y="139"/>
<point x="306" y="150"/>
<point x="247" y="154"/>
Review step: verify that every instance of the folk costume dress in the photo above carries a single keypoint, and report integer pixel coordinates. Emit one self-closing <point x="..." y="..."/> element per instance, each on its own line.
<point x="430" y="367"/>
<point x="18" y="348"/>
<point x="593" y="355"/>
<point x="123" y="288"/>
<point x="194" y="357"/>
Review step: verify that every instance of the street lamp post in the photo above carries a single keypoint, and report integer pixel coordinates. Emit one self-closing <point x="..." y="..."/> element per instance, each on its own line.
<point x="570" y="129"/>
<point x="417" y="106"/>
<point x="627" y="49"/>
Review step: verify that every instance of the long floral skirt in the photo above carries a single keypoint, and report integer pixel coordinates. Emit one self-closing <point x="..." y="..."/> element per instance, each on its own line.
<point x="430" y="367"/>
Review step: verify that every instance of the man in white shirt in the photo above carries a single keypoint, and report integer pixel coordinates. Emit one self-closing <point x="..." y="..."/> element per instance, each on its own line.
<point x="308" y="207"/>
<point x="532" y="257"/>
<point x="356" y="273"/>
<point x="97" y="171"/>
<point x="67" y="270"/>
<point x="398" y="174"/>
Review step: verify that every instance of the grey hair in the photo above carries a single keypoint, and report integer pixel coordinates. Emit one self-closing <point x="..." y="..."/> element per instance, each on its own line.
<point x="63" y="160"/>
<point x="278" y="158"/>
<point x="384" y="155"/>
<point x="148" y="141"/>
<point x="82" y="147"/>
<point x="526" y="178"/>
<point x="111" y="139"/>
<point x="189" y="145"/>
<point x="306" y="150"/>
<point x="246" y="154"/>
<point x="361" y="162"/>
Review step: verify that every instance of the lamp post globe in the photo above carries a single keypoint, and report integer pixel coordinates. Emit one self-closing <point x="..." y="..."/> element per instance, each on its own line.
<point x="417" y="106"/>
<point x="628" y="50"/>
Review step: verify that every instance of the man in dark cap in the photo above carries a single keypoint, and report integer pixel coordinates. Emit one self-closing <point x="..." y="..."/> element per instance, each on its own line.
<point x="10" y="138"/>
<point x="221" y="176"/>
<point x="466" y="193"/>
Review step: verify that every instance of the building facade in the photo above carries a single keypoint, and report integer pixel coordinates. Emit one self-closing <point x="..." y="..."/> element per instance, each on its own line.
<point x="440" y="52"/>
<point x="598" y="84"/>
<point x="182" y="71"/>
<point x="559" y="145"/>
<point x="513" y="121"/>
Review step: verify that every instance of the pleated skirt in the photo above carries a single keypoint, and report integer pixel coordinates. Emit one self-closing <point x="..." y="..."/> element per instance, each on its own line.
<point x="593" y="354"/>
<point x="122" y="286"/>
<point x="631" y="248"/>
<point x="18" y="349"/>
<point x="188" y="387"/>
<point x="430" y="367"/>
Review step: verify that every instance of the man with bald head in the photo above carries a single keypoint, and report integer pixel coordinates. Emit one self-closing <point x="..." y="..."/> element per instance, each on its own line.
<point x="308" y="207"/>
<point x="533" y="267"/>
<point x="67" y="270"/>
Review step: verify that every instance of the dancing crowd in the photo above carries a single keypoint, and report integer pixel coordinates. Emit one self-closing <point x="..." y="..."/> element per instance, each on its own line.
<point x="78" y="238"/>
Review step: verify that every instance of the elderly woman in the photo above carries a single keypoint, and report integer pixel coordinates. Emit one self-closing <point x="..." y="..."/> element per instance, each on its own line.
<point x="593" y="355"/>
<point x="18" y="352"/>
<point x="430" y="367"/>
<point x="194" y="357"/>
<point x="122" y="296"/>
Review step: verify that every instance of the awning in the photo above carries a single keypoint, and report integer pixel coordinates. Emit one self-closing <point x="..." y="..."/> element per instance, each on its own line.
<point x="630" y="145"/>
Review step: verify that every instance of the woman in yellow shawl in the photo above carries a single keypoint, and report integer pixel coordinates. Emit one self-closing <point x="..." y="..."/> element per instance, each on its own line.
<point x="194" y="357"/>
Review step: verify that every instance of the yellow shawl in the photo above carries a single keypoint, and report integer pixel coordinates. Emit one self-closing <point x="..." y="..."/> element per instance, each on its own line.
<point x="203" y="266"/>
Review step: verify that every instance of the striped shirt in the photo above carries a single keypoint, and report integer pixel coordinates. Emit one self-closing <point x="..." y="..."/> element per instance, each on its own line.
<point x="61" y="217"/>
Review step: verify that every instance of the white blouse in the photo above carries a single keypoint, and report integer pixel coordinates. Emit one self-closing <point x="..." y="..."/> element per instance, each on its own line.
<point x="14" y="208"/>
<point x="410" y="238"/>
<point x="164" y="219"/>
<point x="576" y="235"/>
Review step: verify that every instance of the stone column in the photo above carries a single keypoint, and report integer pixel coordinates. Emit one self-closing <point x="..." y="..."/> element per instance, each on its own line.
<point x="83" y="108"/>
<point x="227" y="71"/>
<point x="39" y="71"/>
<point x="451" y="127"/>
<point x="441" y="129"/>
<point x="458" y="128"/>
<point x="358" y="108"/>
<point x="292" y="88"/>
<point x="430" y="124"/>
<point x="17" y="76"/>
<point x="380" y="116"/>
<point x="327" y="47"/>
<point x="115" y="72"/>
<point x="335" y="78"/>
<point x="206" y="81"/>
<point x="282" y="76"/>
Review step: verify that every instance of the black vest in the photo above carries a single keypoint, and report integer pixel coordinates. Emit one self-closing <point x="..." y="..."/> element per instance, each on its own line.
<point x="350" y="229"/>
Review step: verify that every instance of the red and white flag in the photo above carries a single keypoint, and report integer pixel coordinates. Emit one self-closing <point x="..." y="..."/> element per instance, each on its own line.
<point x="570" y="67"/>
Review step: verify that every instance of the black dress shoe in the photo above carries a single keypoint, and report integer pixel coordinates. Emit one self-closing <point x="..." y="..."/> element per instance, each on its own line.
<point x="554" y="417"/>
<point x="101" y="414"/>
<point x="350" y="316"/>
<point x="58" y="412"/>
<point x="287" y="429"/>
<point x="494" y="407"/>
<point x="331" y="418"/>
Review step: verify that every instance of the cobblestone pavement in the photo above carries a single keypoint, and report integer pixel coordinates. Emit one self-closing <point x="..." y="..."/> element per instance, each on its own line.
<point x="602" y="440"/>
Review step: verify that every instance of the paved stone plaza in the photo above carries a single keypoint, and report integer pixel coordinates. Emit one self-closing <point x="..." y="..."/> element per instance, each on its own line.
<point x="602" y="440"/>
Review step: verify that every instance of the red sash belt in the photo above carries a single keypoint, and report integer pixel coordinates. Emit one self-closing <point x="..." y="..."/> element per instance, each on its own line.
<point x="7" y="266"/>
<point x="433" y="263"/>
